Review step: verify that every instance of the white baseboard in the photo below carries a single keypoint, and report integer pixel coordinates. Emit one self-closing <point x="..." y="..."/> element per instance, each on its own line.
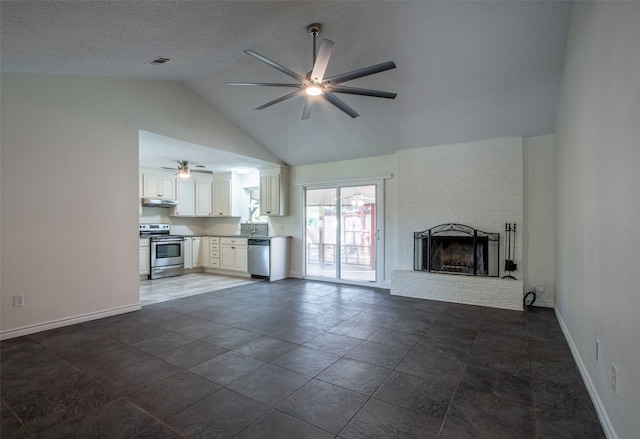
<point x="32" y="329"/>
<point x="543" y="304"/>
<point x="607" y="427"/>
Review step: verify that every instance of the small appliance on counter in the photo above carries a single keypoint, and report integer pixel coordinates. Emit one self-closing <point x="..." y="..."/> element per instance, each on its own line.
<point x="167" y="251"/>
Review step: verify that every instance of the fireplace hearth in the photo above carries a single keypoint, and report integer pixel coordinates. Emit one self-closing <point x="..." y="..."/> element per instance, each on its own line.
<point x="457" y="249"/>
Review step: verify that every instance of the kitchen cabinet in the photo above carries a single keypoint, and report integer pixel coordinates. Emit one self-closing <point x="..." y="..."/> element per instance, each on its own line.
<point x="188" y="255"/>
<point x="203" y="198"/>
<point x="145" y="255"/>
<point x="194" y="198"/>
<point x="192" y="252"/>
<point x="234" y="254"/>
<point x="205" y="256"/>
<point x="214" y="252"/>
<point x="225" y="195"/>
<point x="196" y="253"/>
<point x="185" y="194"/>
<point x="274" y="191"/>
<point x="156" y="186"/>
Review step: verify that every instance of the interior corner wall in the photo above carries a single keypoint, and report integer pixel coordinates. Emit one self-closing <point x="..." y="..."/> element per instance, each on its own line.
<point x="539" y="217"/>
<point x="598" y="206"/>
<point x="69" y="189"/>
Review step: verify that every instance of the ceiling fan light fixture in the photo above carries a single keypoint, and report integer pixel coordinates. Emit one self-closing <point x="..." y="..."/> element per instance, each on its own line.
<point x="184" y="173"/>
<point x="313" y="90"/>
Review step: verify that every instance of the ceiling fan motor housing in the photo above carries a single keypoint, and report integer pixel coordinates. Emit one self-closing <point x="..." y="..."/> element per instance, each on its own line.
<point x="314" y="29"/>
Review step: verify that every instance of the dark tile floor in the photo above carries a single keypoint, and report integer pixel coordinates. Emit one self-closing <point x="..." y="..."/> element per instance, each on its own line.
<point x="296" y="359"/>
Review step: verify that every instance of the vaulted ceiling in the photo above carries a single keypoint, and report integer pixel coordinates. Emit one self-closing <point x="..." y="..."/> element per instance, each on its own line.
<point x="465" y="70"/>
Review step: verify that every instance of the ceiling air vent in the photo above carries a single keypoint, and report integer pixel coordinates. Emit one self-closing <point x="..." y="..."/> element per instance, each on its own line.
<point x="159" y="61"/>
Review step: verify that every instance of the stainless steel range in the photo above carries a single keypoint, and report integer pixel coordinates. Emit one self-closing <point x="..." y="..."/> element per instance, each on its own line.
<point x="167" y="251"/>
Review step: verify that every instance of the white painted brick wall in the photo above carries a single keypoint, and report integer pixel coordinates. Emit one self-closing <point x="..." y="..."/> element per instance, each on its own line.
<point x="471" y="290"/>
<point x="479" y="184"/>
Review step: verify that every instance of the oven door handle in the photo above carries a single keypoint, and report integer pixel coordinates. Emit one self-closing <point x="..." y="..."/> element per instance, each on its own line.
<point x="177" y="239"/>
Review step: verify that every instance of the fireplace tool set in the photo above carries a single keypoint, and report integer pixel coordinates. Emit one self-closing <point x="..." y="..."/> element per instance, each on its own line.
<point x="509" y="255"/>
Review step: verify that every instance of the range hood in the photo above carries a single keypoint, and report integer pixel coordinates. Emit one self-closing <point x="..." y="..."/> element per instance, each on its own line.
<point x="158" y="202"/>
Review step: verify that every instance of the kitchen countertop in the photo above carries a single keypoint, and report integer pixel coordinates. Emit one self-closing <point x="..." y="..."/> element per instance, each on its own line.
<point x="238" y="236"/>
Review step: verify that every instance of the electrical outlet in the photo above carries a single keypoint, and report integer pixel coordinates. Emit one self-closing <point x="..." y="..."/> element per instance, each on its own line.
<point x="539" y="288"/>
<point x="614" y="377"/>
<point x="597" y="350"/>
<point x="18" y="300"/>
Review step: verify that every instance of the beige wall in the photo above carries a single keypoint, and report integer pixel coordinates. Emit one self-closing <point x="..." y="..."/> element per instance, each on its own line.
<point x="69" y="188"/>
<point x="598" y="205"/>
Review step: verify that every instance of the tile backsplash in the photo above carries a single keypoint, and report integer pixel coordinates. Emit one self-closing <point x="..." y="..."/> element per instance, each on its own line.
<point x="260" y="229"/>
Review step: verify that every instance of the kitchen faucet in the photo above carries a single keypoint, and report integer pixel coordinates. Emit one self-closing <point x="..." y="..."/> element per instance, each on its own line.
<point x="253" y="227"/>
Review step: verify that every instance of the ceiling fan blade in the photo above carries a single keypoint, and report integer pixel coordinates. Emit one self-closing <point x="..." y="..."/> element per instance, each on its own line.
<point x="164" y="167"/>
<point x="264" y="84"/>
<point x="341" y="105"/>
<point x="366" y="71"/>
<point x="322" y="60"/>
<point x="197" y="171"/>
<point x="275" y="65"/>
<point x="308" y="105"/>
<point x="363" y="92"/>
<point x="280" y="99"/>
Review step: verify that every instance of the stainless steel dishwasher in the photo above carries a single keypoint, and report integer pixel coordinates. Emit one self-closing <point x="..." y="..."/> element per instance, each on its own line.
<point x="259" y="258"/>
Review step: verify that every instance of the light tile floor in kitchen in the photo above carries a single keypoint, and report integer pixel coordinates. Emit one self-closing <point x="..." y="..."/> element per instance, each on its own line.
<point x="191" y="284"/>
<point x="298" y="359"/>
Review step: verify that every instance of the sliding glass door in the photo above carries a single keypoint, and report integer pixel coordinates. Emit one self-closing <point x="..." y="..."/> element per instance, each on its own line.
<point x="341" y="233"/>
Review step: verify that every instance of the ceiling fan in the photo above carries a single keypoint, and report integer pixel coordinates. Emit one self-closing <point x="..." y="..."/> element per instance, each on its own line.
<point x="184" y="169"/>
<point x="359" y="199"/>
<point x="315" y="85"/>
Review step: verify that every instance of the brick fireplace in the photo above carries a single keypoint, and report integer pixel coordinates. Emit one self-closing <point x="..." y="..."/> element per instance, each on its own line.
<point x="478" y="184"/>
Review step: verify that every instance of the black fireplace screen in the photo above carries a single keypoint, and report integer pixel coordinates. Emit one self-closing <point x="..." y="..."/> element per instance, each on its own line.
<point x="457" y="249"/>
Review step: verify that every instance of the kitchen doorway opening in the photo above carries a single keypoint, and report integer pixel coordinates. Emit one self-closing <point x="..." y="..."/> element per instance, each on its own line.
<point x="342" y="227"/>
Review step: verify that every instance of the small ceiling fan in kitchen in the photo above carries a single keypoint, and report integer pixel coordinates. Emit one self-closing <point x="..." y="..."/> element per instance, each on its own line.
<point x="314" y="86"/>
<point x="185" y="169"/>
<point x="358" y="199"/>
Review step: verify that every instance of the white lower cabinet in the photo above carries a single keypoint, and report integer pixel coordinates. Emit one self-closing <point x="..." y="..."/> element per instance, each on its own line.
<point x="234" y="254"/>
<point x="192" y="254"/>
<point x="204" y="252"/>
<point x="196" y="257"/>
<point x="188" y="255"/>
<point x="214" y="252"/>
<point x="225" y="254"/>
<point x="145" y="255"/>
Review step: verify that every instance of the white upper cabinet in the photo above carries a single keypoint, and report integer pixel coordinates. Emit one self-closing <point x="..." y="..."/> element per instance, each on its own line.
<point x="274" y="191"/>
<point x="155" y="186"/>
<point x="203" y="198"/>
<point x="194" y="197"/>
<point x="226" y="200"/>
<point x="186" y="198"/>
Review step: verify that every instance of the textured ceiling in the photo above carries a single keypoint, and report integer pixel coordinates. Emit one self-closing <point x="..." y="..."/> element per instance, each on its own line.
<point x="466" y="70"/>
